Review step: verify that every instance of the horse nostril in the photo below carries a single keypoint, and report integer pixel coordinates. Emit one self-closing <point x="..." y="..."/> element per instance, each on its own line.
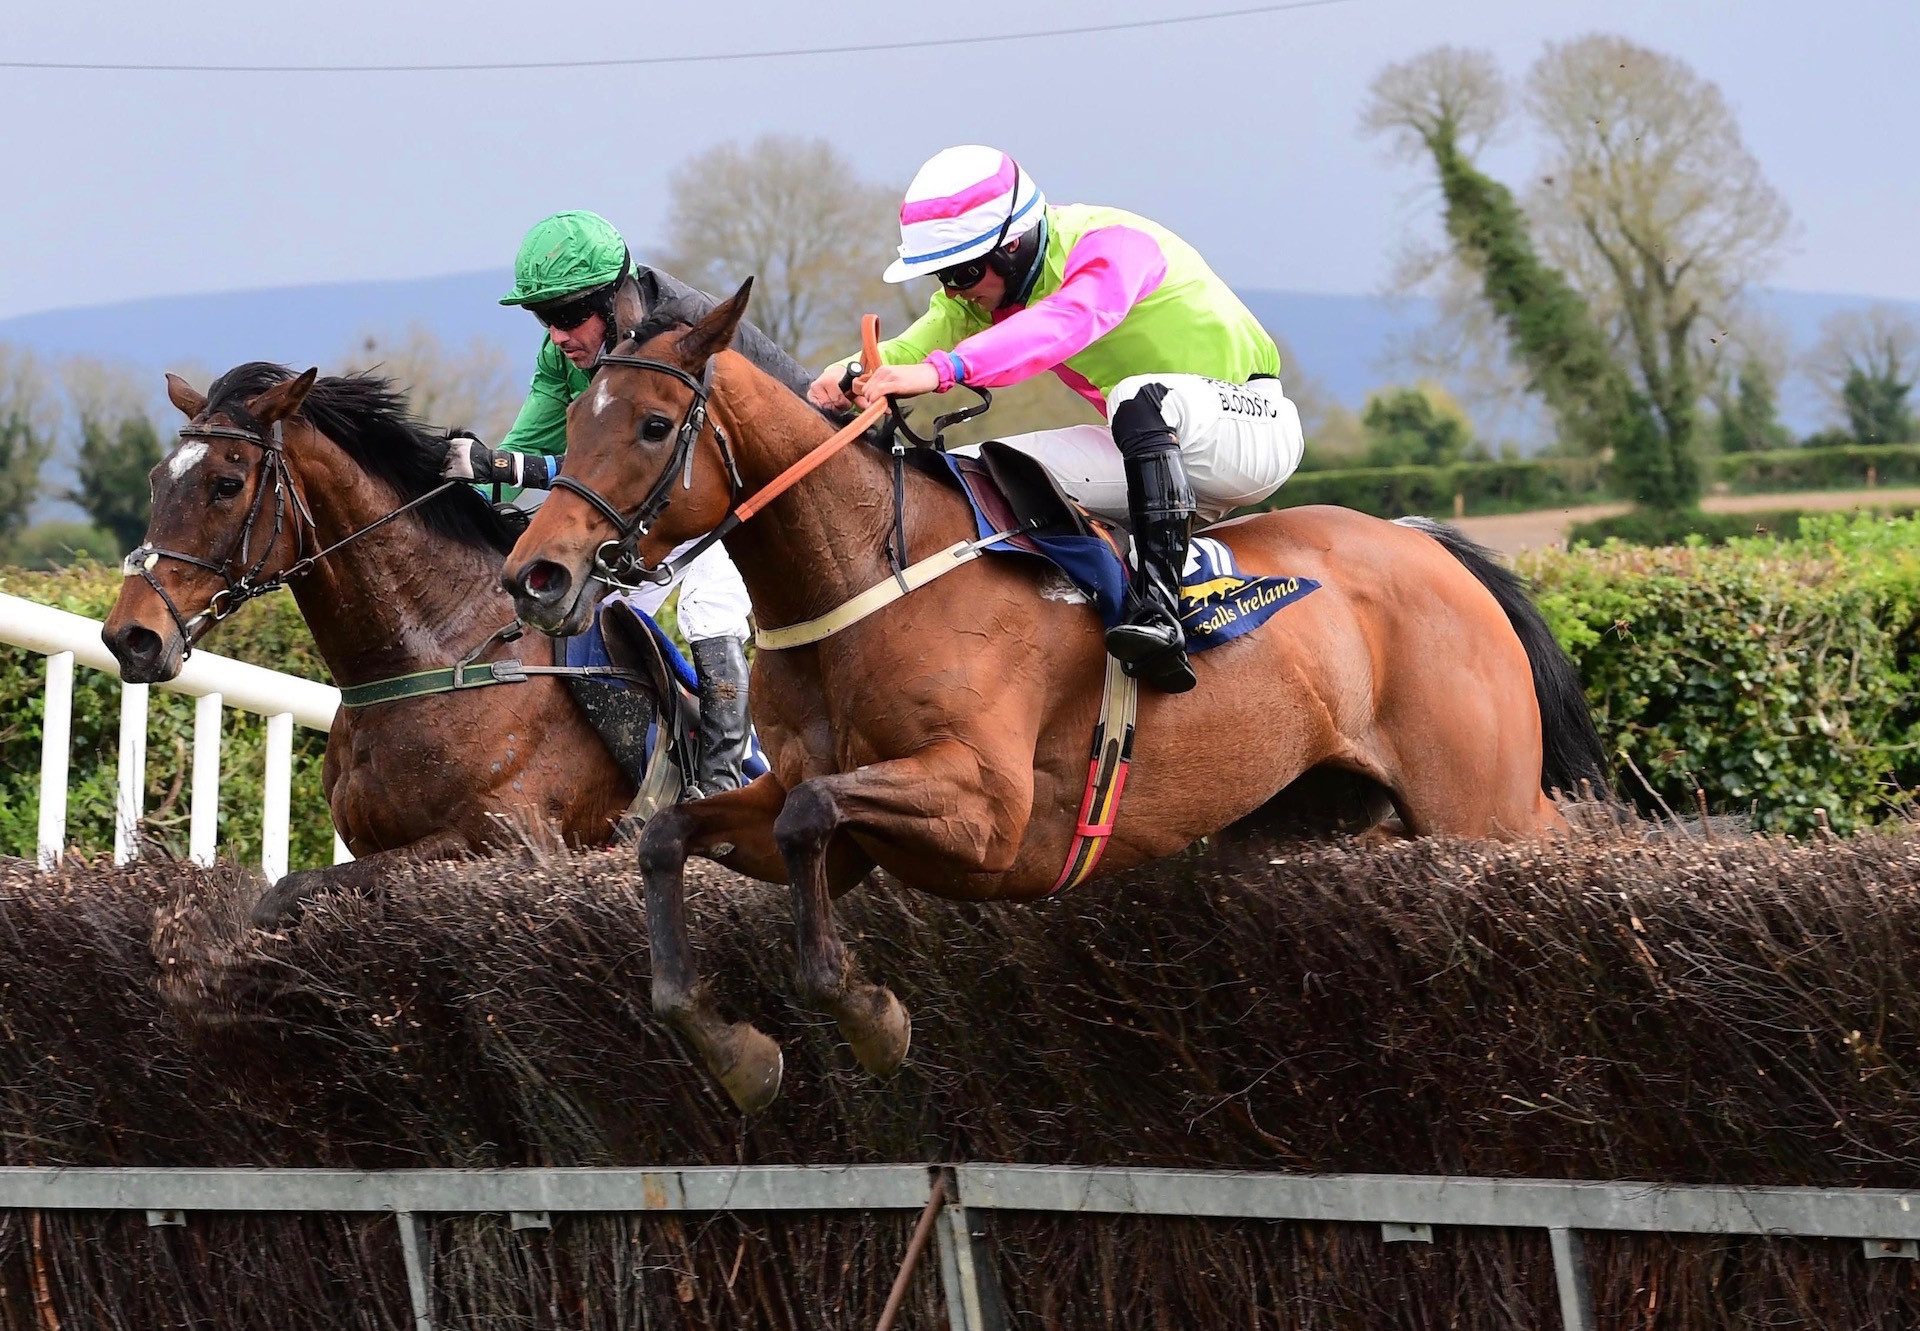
<point x="140" y="644"/>
<point x="546" y="580"/>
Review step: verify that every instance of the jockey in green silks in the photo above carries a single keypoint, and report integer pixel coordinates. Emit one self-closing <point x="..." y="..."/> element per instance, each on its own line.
<point x="569" y="269"/>
<point x="1130" y="317"/>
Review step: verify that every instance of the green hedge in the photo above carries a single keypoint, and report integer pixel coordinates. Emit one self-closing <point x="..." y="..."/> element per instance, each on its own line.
<point x="1775" y="676"/>
<point x="268" y="632"/>
<point x="1645" y="526"/>
<point x="1818" y="468"/>
<point x="1488" y="487"/>
<point x="1507" y="487"/>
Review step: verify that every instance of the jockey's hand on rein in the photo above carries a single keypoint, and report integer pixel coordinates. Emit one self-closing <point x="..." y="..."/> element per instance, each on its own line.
<point x="895" y="381"/>
<point x="470" y="460"/>
<point x="829" y="391"/>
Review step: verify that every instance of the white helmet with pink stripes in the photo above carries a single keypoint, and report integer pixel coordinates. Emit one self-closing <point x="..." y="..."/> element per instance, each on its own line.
<point x="964" y="203"/>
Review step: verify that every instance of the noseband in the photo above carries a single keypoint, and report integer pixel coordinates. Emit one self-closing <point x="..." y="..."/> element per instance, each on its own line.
<point x="616" y="562"/>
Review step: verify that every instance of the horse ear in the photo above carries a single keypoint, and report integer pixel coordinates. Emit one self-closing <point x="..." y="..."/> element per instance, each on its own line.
<point x="629" y="311"/>
<point x="185" y="396"/>
<point x="283" y="399"/>
<point x="706" y="338"/>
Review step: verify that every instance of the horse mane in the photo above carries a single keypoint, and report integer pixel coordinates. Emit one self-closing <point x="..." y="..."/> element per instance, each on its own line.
<point x="662" y="320"/>
<point x="367" y="418"/>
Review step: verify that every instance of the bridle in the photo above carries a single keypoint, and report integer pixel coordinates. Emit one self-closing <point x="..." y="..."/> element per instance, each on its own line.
<point x="617" y="562"/>
<point x="287" y="502"/>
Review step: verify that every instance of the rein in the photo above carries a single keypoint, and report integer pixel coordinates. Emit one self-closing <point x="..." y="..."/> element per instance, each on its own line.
<point x="238" y="591"/>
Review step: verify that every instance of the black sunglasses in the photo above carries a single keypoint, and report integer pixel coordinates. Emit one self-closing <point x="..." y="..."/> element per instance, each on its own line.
<point x="567" y="315"/>
<point x="963" y="276"/>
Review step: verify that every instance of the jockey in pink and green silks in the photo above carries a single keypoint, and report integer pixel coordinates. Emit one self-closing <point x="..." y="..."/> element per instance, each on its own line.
<point x="1129" y="316"/>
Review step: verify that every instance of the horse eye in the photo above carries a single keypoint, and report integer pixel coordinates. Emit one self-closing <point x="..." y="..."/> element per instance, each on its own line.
<point x="226" y="487"/>
<point x="656" y="428"/>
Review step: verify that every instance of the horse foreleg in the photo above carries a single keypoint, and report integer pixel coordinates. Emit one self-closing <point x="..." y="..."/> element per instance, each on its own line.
<point x="935" y="802"/>
<point x="746" y="1062"/>
<point x="282" y="904"/>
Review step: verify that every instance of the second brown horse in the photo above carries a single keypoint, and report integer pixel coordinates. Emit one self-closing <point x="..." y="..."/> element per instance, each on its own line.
<point x="945" y="739"/>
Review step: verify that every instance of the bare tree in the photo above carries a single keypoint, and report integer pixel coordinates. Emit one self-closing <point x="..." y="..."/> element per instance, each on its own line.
<point x="1653" y="206"/>
<point x="472" y="387"/>
<point x="793" y="214"/>
<point x="1879" y="341"/>
<point x="1865" y="364"/>
<point x="1449" y="96"/>
<point x="101" y="390"/>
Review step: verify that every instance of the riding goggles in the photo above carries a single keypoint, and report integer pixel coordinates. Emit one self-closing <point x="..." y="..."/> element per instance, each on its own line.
<point x="568" y="315"/>
<point x="963" y="276"/>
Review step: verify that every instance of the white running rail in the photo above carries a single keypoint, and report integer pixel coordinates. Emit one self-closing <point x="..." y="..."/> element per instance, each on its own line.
<point x="217" y="681"/>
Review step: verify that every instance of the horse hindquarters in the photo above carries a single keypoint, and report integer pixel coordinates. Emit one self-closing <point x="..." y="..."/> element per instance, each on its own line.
<point x="1412" y="665"/>
<point x="1573" y="758"/>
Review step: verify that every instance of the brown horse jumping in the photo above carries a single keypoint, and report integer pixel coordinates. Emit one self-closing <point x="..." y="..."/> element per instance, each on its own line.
<point x="945" y="738"/>
<point x="271" y="465"/>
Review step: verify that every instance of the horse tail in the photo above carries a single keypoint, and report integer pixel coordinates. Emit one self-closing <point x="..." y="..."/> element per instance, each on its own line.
<point x="1572" y="758"/>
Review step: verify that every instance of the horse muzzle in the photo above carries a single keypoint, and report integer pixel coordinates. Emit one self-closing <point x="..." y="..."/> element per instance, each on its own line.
<point x="550" y="597"/>
<point x="146" y="656"/>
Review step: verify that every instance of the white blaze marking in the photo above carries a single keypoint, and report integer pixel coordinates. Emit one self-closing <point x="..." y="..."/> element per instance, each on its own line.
<point x="602" y="399"/>
<point x="185" y="459"/>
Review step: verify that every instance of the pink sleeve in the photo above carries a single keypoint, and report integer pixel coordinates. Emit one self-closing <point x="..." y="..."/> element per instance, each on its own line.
<point x="1107" y="273"/>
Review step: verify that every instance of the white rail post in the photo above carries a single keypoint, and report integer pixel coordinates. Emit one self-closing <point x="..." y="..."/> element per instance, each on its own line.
<point x="340" y="852"/>
<point x="130" y="795"/>
<point x="205" y="819"/>
<point x="56" y="739"/>
<point x="279" y="794"/>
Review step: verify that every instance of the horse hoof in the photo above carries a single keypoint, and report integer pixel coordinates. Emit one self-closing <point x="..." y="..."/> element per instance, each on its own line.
<point x="882" y="1039"/>
<point x="282" y="905"/>
<point x="749" y="1067"/>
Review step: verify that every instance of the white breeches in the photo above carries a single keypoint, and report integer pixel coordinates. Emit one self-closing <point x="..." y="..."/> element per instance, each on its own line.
<point x="713" y="600"/>
<point x="1239" y="443"/>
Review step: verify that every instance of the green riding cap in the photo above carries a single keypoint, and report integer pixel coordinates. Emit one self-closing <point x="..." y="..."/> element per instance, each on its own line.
<point x="564" y="255"/>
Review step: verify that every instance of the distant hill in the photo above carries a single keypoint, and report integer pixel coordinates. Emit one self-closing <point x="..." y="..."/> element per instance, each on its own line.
<point x="1342" y="341"/>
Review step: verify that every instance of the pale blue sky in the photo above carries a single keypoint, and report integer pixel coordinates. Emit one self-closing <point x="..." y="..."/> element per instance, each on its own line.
<point x="1239" y="133"/>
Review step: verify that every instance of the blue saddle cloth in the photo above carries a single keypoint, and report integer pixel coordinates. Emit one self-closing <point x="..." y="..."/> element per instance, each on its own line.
<point x="1218" y="602"/>
<point x="590" y="649"/>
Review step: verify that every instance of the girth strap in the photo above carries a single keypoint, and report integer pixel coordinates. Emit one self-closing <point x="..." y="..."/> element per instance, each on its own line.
<point x="477" y="675"/>
<point x="1106" y="777"/>
<point x="876" y="597"/>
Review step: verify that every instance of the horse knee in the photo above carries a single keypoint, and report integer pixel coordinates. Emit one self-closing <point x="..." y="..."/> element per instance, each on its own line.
<point x="806" y="823"/>
<point x="662" y="848"/>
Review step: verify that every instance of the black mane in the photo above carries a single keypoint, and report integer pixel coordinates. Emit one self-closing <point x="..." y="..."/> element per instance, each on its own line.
<point x="660" y="321"/>
<point x="368" y="419"/>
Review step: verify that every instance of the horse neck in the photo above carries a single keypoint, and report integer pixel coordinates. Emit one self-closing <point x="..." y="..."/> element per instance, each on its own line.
<point x="397" y="599"/>
<point x="825" y="540"/>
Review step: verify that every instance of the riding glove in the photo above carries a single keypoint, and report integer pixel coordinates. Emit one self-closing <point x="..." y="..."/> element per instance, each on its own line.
<point x="470" y="460"/>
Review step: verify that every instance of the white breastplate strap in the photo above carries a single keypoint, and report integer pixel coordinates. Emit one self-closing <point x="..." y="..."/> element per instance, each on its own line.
<point x="874" y="598"/>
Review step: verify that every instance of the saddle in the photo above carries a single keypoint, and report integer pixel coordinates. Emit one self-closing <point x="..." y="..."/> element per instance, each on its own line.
<point x="1017" y="494"/>
<point x="656" y="762"/>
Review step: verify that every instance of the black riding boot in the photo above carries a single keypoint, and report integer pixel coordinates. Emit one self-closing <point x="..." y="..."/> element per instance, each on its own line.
<point x="721" y="744"/>
<point x="1148" y="641"/>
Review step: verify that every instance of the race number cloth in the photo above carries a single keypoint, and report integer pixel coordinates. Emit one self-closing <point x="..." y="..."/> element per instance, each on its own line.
<point x="1218" y="602"/>
<point x="590" y="649"/>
